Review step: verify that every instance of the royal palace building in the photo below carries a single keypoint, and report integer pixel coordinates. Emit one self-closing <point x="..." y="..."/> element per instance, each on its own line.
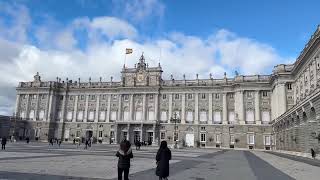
<point x="276" y="111"/>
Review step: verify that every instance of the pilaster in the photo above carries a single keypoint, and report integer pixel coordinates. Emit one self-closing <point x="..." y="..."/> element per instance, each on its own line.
<point x="46" y="112"/>
<point x="257" y="108"/>
<point x="119" y="107"/>
<point x="96" y="119"/>
<point x="196" y="108"/>
<point x="210" y="109"/>
<point x="144" y="105"/>
<point x="63" y="112"/>
<point x="86" y="109"/>
<point x="27" y="106"/>
<point x="224" y="109"/>
<point x="156" y="107"/>
<point x="239" y="107"/>
<point x="170" y="108"/>
<point x="131" y="108"/>
<point x="75" y="109"/>
<point x="108" y="109"/>
<point x="36" y="111"/>
<point x="183" y="109"/>
<point x="50" y="113"/>
<point x="16" y="112"/>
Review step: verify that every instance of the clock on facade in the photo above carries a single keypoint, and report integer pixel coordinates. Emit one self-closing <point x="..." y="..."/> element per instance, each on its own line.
<point x="140" y="77"/>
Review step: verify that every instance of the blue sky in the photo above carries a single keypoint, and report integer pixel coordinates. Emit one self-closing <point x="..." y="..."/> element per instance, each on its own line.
<point x="87" y="38"/>
<point x="285" y="24"/>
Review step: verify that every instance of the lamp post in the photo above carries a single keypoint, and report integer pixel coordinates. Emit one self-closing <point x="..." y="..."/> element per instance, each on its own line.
<point x="176" y="120"/>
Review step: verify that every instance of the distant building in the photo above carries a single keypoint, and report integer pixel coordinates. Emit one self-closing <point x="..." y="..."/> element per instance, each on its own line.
<point x="228" y="112"/>
<point x="4" y="126"/>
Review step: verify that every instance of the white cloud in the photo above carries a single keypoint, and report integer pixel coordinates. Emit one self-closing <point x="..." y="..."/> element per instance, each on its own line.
<point x="58" y="55"/>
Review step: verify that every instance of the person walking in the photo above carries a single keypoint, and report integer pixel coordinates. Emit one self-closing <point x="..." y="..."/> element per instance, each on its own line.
<point x="162" y="158"/>
<point x="124" y="154"/>
<point x="313" y="153"/>
<point x="3" y="143"/>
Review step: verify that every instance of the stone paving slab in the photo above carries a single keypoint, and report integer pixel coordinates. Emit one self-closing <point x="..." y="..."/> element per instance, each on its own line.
<point x="5" y="154"/>
<point x="295" y="169"/>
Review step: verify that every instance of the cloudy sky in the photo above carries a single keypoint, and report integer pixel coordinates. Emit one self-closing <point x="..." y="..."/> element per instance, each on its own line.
<point x="87" y="38"/>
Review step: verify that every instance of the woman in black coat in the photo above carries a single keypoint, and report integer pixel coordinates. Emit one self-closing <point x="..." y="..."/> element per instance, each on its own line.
<point x="163" y="157"/>
<point x="124" y="154"/>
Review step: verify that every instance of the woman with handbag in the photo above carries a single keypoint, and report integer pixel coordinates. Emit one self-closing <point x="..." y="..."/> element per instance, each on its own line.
<point x="163" y="157"/>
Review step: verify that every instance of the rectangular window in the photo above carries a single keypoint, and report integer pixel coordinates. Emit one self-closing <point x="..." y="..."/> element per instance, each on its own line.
<point x="231" y="117"/>
<point x="250" y="139"/>
<point x="217" y="117"/>
<point x="289" y="86"/>
<point x="203" y="116"/>
<point x="231" y="95"/>
<point x="151" y="96"/>
<point x="69" y="115"/>
<point x="126" y="115"/>
<point x="267" y="140"/>
<point x="102" y="115"/>
<point x="80" y="115"/>
<point x="104" y="97"/>
<point x="249" y="94"/>
<point x="203" y="137"/>
<point x="175" y="136"/>
<point x="265" y="116"/>
<point x="100" y="134"/>
<point x="265" y="93"/>
<point x="151" y="115"/>
<point x="189" y="116"/>
<point x="82" y="97"/>
<point x="190" y="96"/>
<point x="93" y="97"/>
<point x="113" y="115"/>
<point x="232" y="139"/>
<point x="114" y="97"/>
<point x="203" y="128"/>
<point x="163" y="115"/>
<point x="91" y="115"/>
<point x="218" y="138"/>
<point x="78" y="134"/>
<point x="250" y="116"/>
<point x="138" y="115"/>
<point x="71" y="98"/>
<point x="217" y="96"/>
<point x="176" y="96"/>
<point x="203" y="96"/>
<point x="164" y="96"/>
<point x="162" y="135"/>
<point x="126" y="97"/>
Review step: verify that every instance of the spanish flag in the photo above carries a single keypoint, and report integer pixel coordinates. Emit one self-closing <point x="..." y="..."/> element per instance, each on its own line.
<point x="129" y="50"/>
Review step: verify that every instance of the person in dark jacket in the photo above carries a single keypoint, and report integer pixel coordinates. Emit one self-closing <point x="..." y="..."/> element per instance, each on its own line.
<point x="3" y="143"/>
<point x="124" y="154"/>
<point x="162" y="158"/>
<point x="313" y="153"/>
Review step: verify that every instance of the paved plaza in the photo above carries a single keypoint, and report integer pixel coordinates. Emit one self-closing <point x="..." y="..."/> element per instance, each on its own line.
<point x="41" y="161"/>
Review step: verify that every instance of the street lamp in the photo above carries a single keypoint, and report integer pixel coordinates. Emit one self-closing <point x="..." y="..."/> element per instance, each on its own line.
<point x="175" y="120"/>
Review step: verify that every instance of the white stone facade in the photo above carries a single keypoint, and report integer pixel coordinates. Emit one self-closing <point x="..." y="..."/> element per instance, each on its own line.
<point x="227" y="112"/>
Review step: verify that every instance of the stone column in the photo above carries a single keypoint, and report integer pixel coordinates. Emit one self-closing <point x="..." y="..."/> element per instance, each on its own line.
<point x="115" y="133"/>
<point x="63" y="112"/>
<point x="156" y="107"/>
<point x="108" y="108"/>
<point x="36" y="111"/>
<point x="196" y="108"/>
<point x="239" y="107"/>
<point x="170" y="108"/>
<point x="75" y="109"/>
<point x="144" y="107"/>
<point x="183" y="109"/>
<point x="257" y="113"/>
<point x="86" y="109"/>
<point x="27" y="105"/>
<point x="16" y="113"/>
<point x="224" y="109"/>
<point x="46" y="112"/>
<point x="119" y="107"/>
<point x="131" y="108"/>
<point x="210" y="109"/>
<point x="96" y="118"/>
<point x="50" y="114"/>
<point x="141" y="133"/>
